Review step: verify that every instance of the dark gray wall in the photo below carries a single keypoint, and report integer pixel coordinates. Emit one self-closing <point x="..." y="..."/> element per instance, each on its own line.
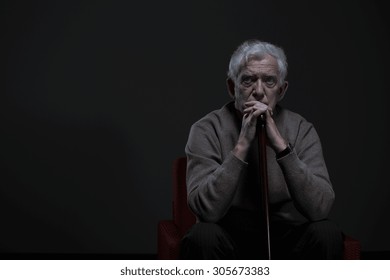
<point x="99" y="97"/>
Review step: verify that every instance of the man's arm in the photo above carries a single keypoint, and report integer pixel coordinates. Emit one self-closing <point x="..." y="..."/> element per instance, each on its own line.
<point x="211" y="182"/>
<point x="306" y="175"/>
<point x="304" y="169"/>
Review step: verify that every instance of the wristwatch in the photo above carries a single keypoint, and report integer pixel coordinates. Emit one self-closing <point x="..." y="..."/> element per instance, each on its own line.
<point x="285" y="152"/>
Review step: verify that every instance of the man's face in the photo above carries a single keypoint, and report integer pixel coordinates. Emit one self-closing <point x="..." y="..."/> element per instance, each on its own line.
<point x="259" y="81"/>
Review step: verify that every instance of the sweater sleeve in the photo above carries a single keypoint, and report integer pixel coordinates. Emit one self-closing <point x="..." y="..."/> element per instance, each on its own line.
<point x="306" y="175"/>
<point x="211" y="179"/>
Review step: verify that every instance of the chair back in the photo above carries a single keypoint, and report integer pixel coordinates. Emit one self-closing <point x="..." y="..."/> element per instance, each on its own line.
<point x="182" y="215"/>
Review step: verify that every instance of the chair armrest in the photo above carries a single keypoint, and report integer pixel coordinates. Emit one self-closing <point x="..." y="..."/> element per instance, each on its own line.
<point x="168" y="240"/>
<point x="352" y="248"/>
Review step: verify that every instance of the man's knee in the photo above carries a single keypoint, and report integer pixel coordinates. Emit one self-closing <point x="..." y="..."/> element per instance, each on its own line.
<point x="206" y="235"/>
<point x="325" y="239"/>
<point x="207" y="241"/>
<point x="324" y="231"/>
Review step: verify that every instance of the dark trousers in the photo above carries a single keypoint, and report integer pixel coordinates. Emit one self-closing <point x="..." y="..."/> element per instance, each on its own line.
<point x="245" y="240"/>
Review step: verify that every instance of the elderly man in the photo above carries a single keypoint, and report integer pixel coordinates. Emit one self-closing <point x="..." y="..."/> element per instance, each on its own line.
<point x="223" y="171"/>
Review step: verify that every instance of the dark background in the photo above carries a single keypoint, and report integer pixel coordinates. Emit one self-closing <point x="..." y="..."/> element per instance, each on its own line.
<point x="99" y="97"/>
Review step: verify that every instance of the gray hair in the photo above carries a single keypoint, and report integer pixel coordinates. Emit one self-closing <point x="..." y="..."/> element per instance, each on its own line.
<point x="255" y="49"/>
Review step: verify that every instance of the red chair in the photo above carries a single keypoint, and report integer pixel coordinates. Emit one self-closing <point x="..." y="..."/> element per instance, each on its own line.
<point x="170" y="232"/>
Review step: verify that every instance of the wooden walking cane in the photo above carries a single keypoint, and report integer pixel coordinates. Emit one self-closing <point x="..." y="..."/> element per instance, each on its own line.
<point x="262" y="136"/>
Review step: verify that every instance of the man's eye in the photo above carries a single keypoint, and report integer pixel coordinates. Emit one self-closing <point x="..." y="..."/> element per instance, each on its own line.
<point x="247" y="81"/>
<point x="270" y="81"/>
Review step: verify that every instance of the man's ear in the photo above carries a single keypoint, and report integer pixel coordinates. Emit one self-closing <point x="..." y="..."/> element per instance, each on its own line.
<point x="282" y="90"/>
<point x="230" y="85"/>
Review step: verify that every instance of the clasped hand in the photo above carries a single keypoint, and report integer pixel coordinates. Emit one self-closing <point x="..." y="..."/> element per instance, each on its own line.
<point x="252" y="112"/>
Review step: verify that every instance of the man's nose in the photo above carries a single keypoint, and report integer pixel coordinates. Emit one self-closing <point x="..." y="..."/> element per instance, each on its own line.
<point x="258" y="91"/>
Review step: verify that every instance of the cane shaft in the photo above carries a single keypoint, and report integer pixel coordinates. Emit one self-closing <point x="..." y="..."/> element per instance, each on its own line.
<point x="264" y="182"/>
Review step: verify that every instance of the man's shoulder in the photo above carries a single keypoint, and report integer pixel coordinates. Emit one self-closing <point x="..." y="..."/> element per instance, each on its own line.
<point x="216" y="117"/>
<point x="288" y="116"/>
<point x="291" y="123"/>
